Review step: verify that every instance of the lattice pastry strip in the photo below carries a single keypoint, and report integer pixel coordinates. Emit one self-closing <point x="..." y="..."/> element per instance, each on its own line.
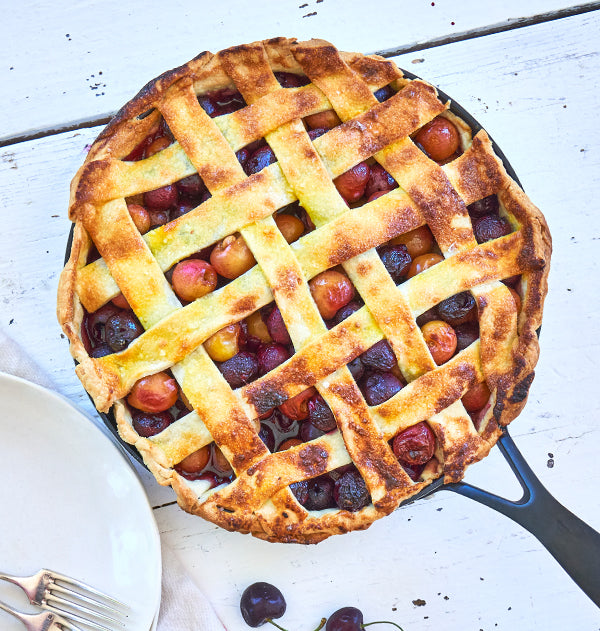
<point x="259" y="498"/>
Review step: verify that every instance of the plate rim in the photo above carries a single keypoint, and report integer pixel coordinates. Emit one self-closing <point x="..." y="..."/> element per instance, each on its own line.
<point x="87" y="423"/>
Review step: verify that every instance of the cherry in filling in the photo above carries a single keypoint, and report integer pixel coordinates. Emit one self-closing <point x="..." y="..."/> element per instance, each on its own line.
<point x="439" y="139"/>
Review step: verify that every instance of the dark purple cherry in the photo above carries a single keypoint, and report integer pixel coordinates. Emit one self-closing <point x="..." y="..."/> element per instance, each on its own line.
<point x="428" y="316"/>
<point x="260" y="159"/>
<point x="161" y="198"/>
<point x="379" y="387"/>
<point x="485" y="206"/>
<point x="151" y="424"/>
<point x="457" y="309"/>
<point x="267" y="436"/>
<point x="121" y="329"/>
<point x="95" y="323"/>
<point x="320" y="493"/>
<point x="346" y="311"/>
<point x="491" y="227"/>
<point x="345" y="619"/>
<point x="240" y="369"/>
<point x="260" y="603"/>
<point x="291" y="80"/>
<point x="270" y="356"/>
<point x="242" y="155"/>
<point x="309" y="432"/>
<point x="101" y="351"/>
<point x="181" y="209"/>
<point x="379" y="357"/>
<point x="315" y="133"/>
<point x="397" y="261"/>
<point x="356" y="368"/>
<point x="320" y="414"/>
<point x="191" y="186"/>
<point x="300" y="491"/>
<point x="227" y="100"/>
<point x="466" y="334"/>
<point x="350" y="492"/>
<point x="207" y="105"/>
<point x="383" y="94"/>
<point x="277" y="328"/>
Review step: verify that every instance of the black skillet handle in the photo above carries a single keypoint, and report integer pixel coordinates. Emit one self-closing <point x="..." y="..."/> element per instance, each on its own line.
<point x="571" y="541"/>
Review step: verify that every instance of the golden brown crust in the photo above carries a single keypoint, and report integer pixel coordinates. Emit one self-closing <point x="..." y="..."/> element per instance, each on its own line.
<point x="259" y="500"/>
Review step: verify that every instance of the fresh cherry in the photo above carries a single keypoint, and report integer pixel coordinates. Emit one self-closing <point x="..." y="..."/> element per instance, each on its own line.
<point x="260" y="603"/>
<point x="291" y="80"/>
<point x="140" y="217"/>
<point x="423" y="262"/>
<point x="290" y="227"/>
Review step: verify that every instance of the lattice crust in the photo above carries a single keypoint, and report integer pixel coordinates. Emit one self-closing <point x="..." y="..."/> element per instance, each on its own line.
<point x="259" y="500"/>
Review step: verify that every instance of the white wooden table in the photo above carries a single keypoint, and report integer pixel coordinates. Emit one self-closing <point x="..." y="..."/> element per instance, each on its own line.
<point x="528" y="72"/>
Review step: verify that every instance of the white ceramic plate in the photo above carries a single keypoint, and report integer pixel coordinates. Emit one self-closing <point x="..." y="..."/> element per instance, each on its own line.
<point x="70" y="501"/>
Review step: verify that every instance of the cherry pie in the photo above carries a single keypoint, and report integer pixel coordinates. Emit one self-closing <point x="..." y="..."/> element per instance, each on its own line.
<point x="302" y="285"/>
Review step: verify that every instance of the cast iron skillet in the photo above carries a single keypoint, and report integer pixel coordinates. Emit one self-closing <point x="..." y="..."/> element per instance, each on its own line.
<point x="569" y="540"/>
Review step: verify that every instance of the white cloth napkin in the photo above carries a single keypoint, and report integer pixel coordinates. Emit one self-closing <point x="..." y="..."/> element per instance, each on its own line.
<point x="183" y="605"/>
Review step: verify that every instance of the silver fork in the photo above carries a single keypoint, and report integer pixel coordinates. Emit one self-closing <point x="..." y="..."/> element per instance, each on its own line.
<point x="45" y="621"/>
<point x="72" y="600"/>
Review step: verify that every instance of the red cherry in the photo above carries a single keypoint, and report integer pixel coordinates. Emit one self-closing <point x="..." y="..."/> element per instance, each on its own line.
<point x="155" y="393"/>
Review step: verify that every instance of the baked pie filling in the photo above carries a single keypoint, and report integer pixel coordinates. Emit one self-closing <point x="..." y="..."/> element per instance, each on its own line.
<point x="303" y="286"/>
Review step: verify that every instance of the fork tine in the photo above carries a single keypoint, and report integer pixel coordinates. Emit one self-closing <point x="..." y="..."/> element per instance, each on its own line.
<point x="85" y="587"/>
<point x="69" y="615"/>
<point x="71" y="609"/>
<point x="81" y="598"/>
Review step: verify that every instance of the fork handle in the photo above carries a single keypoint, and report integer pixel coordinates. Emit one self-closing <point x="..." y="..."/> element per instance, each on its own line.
<point x="32" y="621"/>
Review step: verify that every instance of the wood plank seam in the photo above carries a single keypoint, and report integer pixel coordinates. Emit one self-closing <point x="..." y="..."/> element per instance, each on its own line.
<point x="390" y="52"/>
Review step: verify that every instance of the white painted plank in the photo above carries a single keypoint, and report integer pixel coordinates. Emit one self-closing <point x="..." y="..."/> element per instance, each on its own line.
<point x="492" y="572"/>
<point x="65" y="62"/>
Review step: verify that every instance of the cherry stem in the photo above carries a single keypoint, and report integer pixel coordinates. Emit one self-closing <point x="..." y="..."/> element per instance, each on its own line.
<point x="275" y="624"/>
<point x="321" y="624"/>
<point x="368" y="624"/>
